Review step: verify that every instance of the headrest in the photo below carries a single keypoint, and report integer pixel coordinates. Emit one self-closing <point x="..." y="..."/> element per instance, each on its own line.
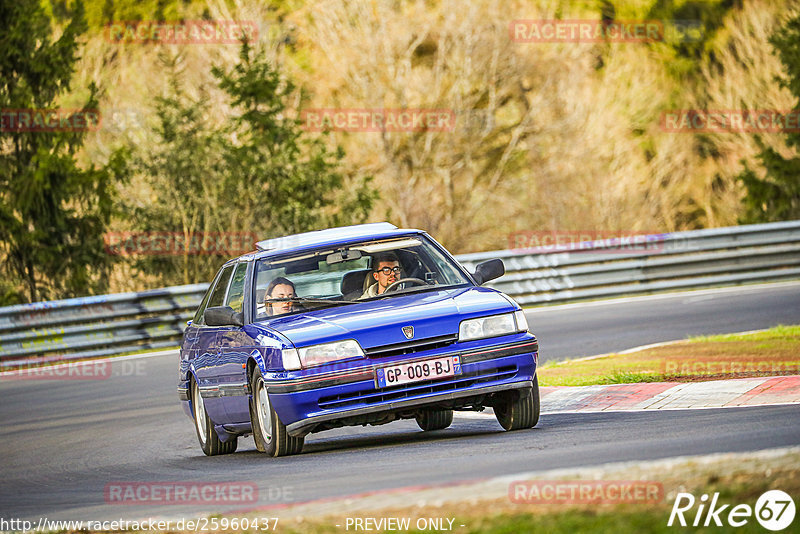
<point x="354" y="281"/>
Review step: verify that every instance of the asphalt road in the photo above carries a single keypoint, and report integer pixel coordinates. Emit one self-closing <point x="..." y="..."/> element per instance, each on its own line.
<point x="63" y="442"/>
<point x="576" y="330"/>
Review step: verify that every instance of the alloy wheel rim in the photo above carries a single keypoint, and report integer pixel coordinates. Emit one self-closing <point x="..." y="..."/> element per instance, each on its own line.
<point x="199" y="413"/>
<point x="263" y="410"/>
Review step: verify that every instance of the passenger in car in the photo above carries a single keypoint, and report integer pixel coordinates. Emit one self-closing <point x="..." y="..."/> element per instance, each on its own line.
<point x="386" y="271"/>
<point x="278" y="288"/>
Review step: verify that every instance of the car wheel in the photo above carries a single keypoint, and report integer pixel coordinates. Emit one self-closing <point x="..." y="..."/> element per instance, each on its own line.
<point x="209" y="440"/>
<point x="269" y="432"/>
<point x="435" y="419"/>
<point x="521" y="411"/>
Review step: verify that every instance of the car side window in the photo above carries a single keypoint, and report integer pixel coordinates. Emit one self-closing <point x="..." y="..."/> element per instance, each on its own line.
<point x="236" y="292"/>
<point x="198" y="316"/>
<point x="218" y="295"/>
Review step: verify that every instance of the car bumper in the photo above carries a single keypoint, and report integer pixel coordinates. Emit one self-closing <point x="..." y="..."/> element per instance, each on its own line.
<point x="302" y="427"/>
<point x="351" y="395"/>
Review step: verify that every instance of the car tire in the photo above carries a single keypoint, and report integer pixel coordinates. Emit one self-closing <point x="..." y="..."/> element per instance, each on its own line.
<point x="521" y="411"/>
<point x="269" y="432"/>
<point x="435" y="419"/>
<point x="206" y="435"/>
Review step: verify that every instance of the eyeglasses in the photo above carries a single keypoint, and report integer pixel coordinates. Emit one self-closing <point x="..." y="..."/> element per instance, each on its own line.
<point x="389" y="270"/>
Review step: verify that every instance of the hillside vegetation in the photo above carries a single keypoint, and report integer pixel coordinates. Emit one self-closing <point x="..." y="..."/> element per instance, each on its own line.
<point x="548" y="136"/>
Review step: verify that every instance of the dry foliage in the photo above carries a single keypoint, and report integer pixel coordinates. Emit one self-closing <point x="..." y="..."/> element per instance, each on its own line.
<point x="548" y="136"/>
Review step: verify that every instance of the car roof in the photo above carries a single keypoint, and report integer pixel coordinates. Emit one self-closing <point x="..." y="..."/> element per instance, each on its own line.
<point x="329" y="237"/>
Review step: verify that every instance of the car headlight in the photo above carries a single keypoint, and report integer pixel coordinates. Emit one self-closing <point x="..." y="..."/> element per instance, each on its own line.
<point x="320" y="354"/>
<point x="492" y="326"/>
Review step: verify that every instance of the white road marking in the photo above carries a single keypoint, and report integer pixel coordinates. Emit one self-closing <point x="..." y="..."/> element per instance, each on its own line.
<point x="678" y="294"/>
<point x="655" y="345"/>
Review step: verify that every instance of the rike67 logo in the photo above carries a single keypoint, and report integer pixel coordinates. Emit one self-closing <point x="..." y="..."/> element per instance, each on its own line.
<point x="774" y="510"/>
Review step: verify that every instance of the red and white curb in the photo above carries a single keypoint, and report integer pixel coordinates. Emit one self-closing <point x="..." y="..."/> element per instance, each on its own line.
<point x="673" y="395"/>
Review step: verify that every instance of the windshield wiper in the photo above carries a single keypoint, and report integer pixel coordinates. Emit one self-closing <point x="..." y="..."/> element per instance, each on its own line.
<point x="414" y="289"/>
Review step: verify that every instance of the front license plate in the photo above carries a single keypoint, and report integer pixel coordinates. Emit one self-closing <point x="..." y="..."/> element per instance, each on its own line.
<point x="417" y="371"/>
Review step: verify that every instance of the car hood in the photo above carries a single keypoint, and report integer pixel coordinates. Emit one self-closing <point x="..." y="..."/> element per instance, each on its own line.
<point x="380" y="322"/>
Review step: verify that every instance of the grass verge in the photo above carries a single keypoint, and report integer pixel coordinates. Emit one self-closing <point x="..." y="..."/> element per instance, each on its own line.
<point x="773" y="352"/>
<point x="738" y="479"/>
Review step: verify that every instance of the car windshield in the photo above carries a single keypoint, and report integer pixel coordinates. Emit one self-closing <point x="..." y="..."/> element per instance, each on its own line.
<point x="338" y="276"/>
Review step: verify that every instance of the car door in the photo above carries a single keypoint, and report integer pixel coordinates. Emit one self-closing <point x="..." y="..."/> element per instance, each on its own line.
<point x="207" y="361"/>
<point x="191" y="340"/>
<point x="234" y="346"/>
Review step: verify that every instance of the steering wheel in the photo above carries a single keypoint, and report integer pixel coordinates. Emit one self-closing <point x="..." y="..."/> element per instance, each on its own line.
<point x="394" y="285"/>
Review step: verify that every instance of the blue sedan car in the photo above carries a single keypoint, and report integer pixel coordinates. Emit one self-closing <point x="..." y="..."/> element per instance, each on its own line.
<point x="361" y="325"/>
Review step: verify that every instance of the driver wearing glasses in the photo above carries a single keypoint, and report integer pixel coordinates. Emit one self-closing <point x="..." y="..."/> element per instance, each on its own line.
<point x="386" y="271"/>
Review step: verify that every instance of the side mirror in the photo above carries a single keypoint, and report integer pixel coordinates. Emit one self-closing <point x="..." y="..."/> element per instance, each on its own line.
<point x="488" y="270"/>
<point x="223" y="316"/>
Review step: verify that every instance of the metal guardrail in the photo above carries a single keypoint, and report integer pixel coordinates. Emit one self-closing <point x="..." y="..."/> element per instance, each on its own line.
<point x="96" y="326"/>
<point x="113" y="324"/>
<point x="682" y="260"/>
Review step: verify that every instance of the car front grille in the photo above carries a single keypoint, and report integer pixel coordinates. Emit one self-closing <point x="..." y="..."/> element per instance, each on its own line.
<point x="373" y="396"/>
<point x="411" y="347"/>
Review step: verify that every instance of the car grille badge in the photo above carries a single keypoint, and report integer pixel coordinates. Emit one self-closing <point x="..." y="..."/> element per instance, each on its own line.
<point x="408" y="331"/>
